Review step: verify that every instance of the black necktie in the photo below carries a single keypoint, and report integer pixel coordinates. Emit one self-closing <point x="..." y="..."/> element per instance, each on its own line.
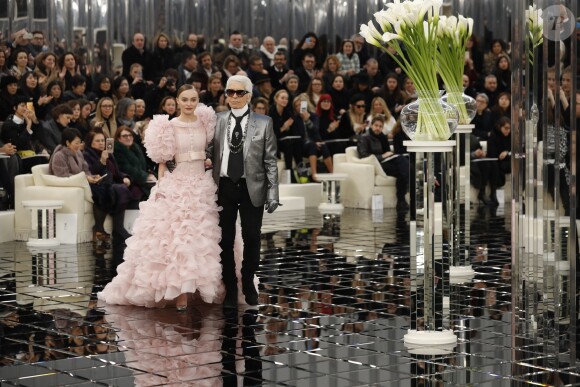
<point x="236" y="160"/>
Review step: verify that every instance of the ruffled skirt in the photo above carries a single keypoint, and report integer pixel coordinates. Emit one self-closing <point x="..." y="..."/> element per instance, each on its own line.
<point x="175" y="244"/>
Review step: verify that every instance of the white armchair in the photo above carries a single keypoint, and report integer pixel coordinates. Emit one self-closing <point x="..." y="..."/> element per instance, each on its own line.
<point x="365" y="179"/>
<point x="40" y="185"/>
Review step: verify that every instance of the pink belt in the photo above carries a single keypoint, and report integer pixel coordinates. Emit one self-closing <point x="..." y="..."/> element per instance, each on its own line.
<point x="190" y="156"/>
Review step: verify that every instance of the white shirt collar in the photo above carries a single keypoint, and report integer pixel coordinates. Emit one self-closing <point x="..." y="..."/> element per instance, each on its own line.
<point x="239" y="112"/>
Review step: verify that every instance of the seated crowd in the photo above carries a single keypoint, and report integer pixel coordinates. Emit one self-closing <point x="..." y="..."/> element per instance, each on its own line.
<point x="320" y="104"/>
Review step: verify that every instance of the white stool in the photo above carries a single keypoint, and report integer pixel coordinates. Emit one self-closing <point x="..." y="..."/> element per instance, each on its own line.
<point x="43" y="222"/>
<point x="331" y="191"/>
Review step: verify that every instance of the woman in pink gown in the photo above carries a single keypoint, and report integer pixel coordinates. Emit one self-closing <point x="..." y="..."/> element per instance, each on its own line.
<point x="174" y="249"/>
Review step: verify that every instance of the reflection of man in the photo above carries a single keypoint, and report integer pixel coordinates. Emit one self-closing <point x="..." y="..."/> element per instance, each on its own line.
<point x="243" y="153"/>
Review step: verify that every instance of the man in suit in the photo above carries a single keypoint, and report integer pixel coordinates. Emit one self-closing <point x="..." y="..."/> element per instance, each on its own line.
<point x="136" y="53"/>
<point x="243" y="154"/>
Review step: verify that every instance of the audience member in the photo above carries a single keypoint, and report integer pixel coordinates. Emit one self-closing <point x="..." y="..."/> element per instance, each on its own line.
<point x="136" y="53"/>
<point x="313" y="146"/>
<point x="105" y="120"/>
<point x="53" y="128"/>
<point x="374" y="143"/>
<point x="482" y="119"/>
<point x="279" y="72"/>
<point x="114" y="192"/>
<point x="131" y="160"/>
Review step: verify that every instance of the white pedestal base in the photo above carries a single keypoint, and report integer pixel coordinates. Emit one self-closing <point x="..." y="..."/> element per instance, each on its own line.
<point x="461" y="274"/>
<point x="331" y="208"/>
<point x="43" y="242"/>
<point x="430" y="342"/>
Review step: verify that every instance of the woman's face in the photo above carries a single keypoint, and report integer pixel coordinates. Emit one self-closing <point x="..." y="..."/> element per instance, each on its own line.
<point x="55" y="91"/>
<point x="107" y="108"/>
<point x="126" y="138"/>
<point x="282" y="99"/>
<point x="130" y="112"/>
<point x="567" y="83"/>
<point x="31" y="81"/>
<point x="496" y="48"/>
<point x="377" y="107"/>
<point x="86" y="111"/>
<point x="325" y="104"/>
<point x="12" y="88"/>
<point x="20" y="109"/>
<point x="551" y="80"/>
<point x="409" y="86"/>
<point x="98" y="142"/>
<point x="215" y="85"/>
<point x="504" y="102"/>
<point x="70" y="62"/>
<point x="338" y="83"/>
<point x="260" y="108"/>
<point x="162" y="42"/>
<point x="22" y="59"/>
<point x="292" y="84"/>
<point x="332" y="66"/>
<point x="347" y="48"/>
<point x="469" y="44"/>
<point x="481" y="104"/>
<point x="377" y="127"/>
<point x="505" y="130"/>
<point x="296" y="104"/>
<point x="105" y="85"/>
<point x="232" y="67"/>
<point x="316" y="86"/>
<point x="392" y="84"/>
<point x="140" y="108"/>
<point x="49" y="62"/>
<point x="169" y="106"/>
<point x="124" y="87"/>
<point x="74" y="145"/>
<point x="503" y="64"/>
<point x="76" y="112"/>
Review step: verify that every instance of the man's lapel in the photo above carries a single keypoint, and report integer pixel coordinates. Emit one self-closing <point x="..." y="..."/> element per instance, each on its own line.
<point x="250" y="133"/>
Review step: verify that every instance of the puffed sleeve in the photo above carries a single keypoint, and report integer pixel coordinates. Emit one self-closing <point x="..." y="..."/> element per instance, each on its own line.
<point x="207" y="117"/>
<point x="160" y="139"/>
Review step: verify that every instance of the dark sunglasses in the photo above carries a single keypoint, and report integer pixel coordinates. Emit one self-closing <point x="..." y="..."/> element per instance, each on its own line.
<point x="360" y="106"/>
<point x="237" y="93"/>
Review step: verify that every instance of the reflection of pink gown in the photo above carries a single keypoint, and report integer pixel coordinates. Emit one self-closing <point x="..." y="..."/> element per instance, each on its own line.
<point x="161" y="351"/>
<point x="175" y="244"/>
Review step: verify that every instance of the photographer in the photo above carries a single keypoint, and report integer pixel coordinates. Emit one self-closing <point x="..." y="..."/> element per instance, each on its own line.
<point x="165" y="88"/>
<point x="138" y="85"/>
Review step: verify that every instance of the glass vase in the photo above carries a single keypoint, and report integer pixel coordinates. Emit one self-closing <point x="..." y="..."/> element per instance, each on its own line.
<point x="465" y="105"/>
<point x="429" y="118"/>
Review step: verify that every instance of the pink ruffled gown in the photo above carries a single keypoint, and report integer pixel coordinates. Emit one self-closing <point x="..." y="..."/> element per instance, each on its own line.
<point x="175" y="244"/>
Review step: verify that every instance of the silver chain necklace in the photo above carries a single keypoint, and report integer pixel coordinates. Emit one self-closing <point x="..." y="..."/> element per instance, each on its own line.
<point x="237" y="148"/>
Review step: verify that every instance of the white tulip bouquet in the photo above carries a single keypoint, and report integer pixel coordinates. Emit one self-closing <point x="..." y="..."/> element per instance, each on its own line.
<point x="411" y="29"/>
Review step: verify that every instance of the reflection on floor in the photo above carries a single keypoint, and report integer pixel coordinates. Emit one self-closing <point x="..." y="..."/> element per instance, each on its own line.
<point x="334" y="306"/>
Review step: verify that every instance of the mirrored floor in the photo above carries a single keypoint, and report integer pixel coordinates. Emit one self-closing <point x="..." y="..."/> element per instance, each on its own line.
<point x="334" y="306"/>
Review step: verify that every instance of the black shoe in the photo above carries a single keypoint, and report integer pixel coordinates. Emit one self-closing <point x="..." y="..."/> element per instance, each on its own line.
<point x="402" y="206"/>
<point x="231" y="300"/>
<point x="481" y="197"/>
<point x="493" y="198"/>
<point x="251" y="295"/>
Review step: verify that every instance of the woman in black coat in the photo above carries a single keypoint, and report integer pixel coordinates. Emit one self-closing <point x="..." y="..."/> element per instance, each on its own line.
<point x="131" y="160"/>
<point x="115" y="192"/>
<point x="375" y="143"/>
<point x="499" y="146"/>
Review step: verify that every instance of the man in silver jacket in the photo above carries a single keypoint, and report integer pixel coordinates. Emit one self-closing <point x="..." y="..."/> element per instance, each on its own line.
<point x="243" y="154"/>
